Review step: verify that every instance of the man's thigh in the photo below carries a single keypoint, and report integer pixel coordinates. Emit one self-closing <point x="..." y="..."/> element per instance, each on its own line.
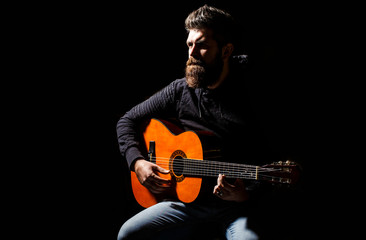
<point x="151" y="221"/>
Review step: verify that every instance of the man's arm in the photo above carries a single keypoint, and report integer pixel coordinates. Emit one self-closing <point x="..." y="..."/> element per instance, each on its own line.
<point x="161" y="104"/>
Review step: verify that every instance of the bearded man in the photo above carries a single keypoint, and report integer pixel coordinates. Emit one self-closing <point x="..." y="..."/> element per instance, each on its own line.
<point x="212" y="97"/>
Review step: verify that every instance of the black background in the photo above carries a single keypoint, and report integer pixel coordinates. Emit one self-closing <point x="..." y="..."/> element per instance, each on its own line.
<point x="99" y="60"/>
<point x="281" y="39"/>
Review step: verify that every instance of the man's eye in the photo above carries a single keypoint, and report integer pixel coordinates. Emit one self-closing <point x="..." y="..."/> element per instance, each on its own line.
<point x="198" y="45"/>
<point x="202" y="45"/>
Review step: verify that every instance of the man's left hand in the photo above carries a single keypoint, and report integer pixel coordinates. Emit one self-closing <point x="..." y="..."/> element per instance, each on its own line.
<point x="230" y="192"/>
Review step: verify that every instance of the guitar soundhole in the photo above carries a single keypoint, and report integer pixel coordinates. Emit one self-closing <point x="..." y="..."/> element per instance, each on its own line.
<point x="176" y="164"/>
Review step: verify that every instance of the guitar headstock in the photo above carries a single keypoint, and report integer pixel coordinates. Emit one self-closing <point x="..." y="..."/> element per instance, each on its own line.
<point x="281" y="172"/>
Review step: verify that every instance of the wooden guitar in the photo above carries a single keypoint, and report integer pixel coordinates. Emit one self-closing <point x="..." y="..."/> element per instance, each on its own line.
<point x="183" y="153"/>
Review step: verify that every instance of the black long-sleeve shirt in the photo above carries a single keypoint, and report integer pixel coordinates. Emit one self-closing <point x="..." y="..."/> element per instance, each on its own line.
<point x="225" y="111"/>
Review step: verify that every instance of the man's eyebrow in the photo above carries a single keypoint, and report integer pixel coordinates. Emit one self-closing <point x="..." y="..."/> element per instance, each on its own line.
<point x="199" y="41"/>
<point x="202" y="40"/>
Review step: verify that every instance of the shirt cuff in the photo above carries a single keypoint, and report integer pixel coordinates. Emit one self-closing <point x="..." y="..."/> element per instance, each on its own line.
<point x="132" y="154"/>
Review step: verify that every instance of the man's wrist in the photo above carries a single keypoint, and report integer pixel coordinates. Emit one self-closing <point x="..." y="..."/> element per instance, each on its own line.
<point x="133" y="164"/>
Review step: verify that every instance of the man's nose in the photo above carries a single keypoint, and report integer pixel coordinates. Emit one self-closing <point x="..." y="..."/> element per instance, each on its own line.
<point x="193" y="51"/>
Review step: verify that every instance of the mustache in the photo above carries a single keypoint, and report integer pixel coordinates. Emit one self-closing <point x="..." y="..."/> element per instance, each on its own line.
<point x="192" y="61"/>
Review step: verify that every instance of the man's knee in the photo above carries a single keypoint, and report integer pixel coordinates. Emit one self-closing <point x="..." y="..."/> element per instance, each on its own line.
<point x="129" y="231"/>
<point x="239" y="230"/>
<point x="122" y="234"/>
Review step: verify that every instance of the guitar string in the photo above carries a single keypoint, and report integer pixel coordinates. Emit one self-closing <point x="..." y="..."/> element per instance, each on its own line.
<point x="229" y="174"/>
<point x="206" y="164"/>
<point x="203" y="160"/>
<point x="216" y="169"/>
<point x="230" y="169"/>
<point x="202" y="167"/>
<point x="233" y="175"/>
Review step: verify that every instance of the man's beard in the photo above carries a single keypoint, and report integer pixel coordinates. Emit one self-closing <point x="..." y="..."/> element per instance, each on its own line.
<point x="201" y="75"/>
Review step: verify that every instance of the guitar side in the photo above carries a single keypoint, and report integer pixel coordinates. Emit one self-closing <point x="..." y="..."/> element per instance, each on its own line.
<point x="169" y="148"/>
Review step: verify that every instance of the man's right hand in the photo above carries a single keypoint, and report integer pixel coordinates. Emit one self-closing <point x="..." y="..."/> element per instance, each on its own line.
<point x="146" y="173"/>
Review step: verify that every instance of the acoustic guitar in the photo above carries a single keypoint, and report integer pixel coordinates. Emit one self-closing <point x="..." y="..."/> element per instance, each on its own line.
<point x="188" y="159"/>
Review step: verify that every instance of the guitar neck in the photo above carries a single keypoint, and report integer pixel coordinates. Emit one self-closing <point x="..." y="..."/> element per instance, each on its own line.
<point x="207" y="168"/>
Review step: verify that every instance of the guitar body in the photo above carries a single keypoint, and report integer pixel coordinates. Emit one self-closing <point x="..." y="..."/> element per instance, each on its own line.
<point x="169" y="147"/>
<point x="183" y="153"/>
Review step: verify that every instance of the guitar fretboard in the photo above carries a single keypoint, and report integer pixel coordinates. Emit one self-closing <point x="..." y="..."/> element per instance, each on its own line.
<point x="192" y="167"/>
<point x="208" y="168"/>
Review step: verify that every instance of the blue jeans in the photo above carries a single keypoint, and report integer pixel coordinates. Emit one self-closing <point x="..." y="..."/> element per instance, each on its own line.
<point x="176" y="220"/>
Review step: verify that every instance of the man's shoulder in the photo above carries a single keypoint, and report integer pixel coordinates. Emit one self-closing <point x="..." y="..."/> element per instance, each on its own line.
<point x="179" y="84"/>
<point x="176" y="88"/>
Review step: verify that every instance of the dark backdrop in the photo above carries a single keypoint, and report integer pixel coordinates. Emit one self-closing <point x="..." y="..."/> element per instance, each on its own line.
<point x="146" y="51"/>
<point x="103" y="59"/>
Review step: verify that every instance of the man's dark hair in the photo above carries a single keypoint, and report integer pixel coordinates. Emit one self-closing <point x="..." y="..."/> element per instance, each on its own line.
<point x="220" y="22"/>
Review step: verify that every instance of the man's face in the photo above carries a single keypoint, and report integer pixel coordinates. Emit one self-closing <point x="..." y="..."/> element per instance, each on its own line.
<point x="204" y="64"/>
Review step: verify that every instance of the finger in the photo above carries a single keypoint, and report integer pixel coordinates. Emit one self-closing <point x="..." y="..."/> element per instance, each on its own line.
<point x="155" y="187"/>
<point x="155" y="179"/>
<point x="217" y="191"/>
<point x="159" y="180"/>
<point x="161" y="170"/>
<point x="220" y="180"/>
<point x="224" y="182"/>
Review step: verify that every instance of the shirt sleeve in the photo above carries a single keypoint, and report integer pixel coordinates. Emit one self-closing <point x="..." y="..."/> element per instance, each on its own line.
<point x="159" y="105"/>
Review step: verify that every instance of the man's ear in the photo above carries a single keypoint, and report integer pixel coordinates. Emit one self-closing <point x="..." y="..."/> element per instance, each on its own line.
<point x="227" y="50"/>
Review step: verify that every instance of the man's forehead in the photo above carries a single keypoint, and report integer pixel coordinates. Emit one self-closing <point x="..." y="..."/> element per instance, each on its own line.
<point x="196" y="35"/>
